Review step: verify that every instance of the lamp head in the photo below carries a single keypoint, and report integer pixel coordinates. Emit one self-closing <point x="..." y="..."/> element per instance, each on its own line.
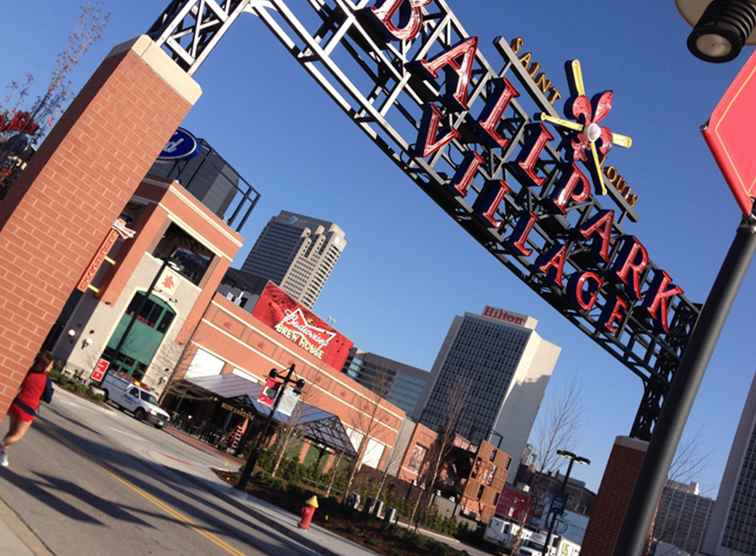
<point x="720" y="27"/>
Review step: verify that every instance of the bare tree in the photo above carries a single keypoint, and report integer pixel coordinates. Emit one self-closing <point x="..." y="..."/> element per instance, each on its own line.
<point x="457" y="397"/>
<point x="560" y="427"/>
<point x="690" y="460"/>
<point x="393" y="458"/>
<point x="370" y="422"/>
<point x="287" y="430"/>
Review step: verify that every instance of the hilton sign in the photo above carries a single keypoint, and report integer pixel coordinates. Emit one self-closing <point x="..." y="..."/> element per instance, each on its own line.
<point x="489" y="147"/>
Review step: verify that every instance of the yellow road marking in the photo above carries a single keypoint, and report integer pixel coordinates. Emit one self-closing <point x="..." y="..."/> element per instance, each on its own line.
<point x="217" y="541"/>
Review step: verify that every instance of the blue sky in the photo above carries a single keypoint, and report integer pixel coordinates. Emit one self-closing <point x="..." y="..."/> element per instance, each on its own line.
<point x="408" y="268"/>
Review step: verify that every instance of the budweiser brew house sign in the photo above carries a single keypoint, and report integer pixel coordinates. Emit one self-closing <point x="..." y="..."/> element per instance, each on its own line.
<point x="301" y="326"/>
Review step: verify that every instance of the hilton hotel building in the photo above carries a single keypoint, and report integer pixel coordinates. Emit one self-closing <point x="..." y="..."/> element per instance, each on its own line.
<point x="505" y="366"/>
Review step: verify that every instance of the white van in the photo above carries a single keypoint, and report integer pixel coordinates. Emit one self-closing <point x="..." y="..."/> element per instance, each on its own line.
<point x="129" y="397"/>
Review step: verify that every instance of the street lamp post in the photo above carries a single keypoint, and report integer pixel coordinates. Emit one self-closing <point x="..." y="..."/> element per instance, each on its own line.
<point x="721" y="29"/>
<point x="574" y="458"/>
<point x="683" y="390"/>
<point x="253" y="457"/>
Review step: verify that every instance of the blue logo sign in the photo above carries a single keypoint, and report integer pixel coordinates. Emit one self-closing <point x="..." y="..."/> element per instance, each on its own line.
<point x="182" y="144"/>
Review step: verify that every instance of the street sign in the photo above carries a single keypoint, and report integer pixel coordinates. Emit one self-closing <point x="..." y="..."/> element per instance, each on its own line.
<point x="729" y="134"/>
<point x="100" y="369"/>
<point x="558" y="505"/>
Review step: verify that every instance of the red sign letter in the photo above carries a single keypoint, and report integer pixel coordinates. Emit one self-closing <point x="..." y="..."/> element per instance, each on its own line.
<point x="601" y="224"/>
<point x="577" y="188"/>
<point x="466" y="172"/>
<point x="576" y="291"/>
<point x="519" y="238"/>
<point x="489" y="200"/>
<point x="554" y="261"/>
<point x="614" y="313"/>
<point x="410" y="17"/>
<point x="490" y="118"/>
<point x="633" y="258"/>
<point x="528" y="163"/>
<point x="658" y="297"/>
<point x="427" y="140"/>
<point x="458" y="62"/>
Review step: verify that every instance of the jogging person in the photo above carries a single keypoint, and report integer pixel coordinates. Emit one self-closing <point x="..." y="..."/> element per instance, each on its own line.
<point x="24" y="407"/>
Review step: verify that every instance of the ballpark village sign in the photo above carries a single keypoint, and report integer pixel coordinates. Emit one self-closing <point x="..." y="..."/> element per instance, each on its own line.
<point x="490" y="149"/>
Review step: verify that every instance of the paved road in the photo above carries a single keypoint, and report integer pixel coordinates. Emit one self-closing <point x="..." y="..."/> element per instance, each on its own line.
<point x="85" y="482"/>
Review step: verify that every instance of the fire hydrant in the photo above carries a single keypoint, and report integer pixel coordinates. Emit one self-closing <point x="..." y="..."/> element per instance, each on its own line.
<point x="308" y="511"/>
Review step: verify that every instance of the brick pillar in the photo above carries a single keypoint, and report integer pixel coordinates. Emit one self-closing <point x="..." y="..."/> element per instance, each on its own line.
<point x="609" y="507"/>
<point x="58" y="212"/>
<point x="303" y="451"/>
<point x="330" y="460"/>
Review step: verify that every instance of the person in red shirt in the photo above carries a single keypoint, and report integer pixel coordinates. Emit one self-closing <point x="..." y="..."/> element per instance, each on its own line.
<point x="24" y="407"/>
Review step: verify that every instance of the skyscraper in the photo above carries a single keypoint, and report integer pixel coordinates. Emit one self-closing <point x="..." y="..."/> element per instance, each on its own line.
<point x="503" y="366"/>
<point x="298" y="253"/>
<point x="732" y="527"/>
<point x="399" y="383"/>
<point x="682" y="516"/>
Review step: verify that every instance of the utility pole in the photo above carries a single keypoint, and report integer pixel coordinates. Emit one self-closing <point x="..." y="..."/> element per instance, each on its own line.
<point x="249" y="467"/>
<point x="574" y="458"/>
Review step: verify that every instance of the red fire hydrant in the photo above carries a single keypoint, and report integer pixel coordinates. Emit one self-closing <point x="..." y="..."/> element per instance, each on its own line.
<point x="308" y="511"/>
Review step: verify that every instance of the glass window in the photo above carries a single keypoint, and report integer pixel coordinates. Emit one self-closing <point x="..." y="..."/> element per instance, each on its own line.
<point x="165" y="322"/>
<point x="191" y="257"/>
<point x="146" y="396"/>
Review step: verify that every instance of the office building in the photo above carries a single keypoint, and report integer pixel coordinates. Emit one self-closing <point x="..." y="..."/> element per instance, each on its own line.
<point x="732" y="527"/>
<point x="298" y="253"/>
<point x="400" y="384"/>
<point x="682" y="516"/>
<point x="502" y="365"/>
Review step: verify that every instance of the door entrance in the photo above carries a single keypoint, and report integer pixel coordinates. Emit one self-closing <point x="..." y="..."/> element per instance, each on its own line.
<point x="144" y="338"/>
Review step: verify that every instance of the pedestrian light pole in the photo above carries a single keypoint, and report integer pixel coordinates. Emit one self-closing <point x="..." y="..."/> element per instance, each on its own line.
<point x="574" y="458"/>
<point x="249" y="467"/>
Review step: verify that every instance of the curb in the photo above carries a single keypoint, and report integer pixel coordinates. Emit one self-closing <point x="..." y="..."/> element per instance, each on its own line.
<point x="17" y="527"/>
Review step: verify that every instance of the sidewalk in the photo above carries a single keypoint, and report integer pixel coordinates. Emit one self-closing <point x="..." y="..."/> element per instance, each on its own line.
<point x="198" y="444"/>
<point x="16" y="538"/>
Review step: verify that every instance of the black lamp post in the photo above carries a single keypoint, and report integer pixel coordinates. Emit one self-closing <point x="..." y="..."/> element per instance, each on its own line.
<point x="574" y="458"/>
<point x="249" y="467"/>
<point x="720" y="27"/>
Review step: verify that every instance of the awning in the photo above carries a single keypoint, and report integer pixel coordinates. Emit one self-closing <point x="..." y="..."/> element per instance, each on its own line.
<point x="313" y="423"/>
